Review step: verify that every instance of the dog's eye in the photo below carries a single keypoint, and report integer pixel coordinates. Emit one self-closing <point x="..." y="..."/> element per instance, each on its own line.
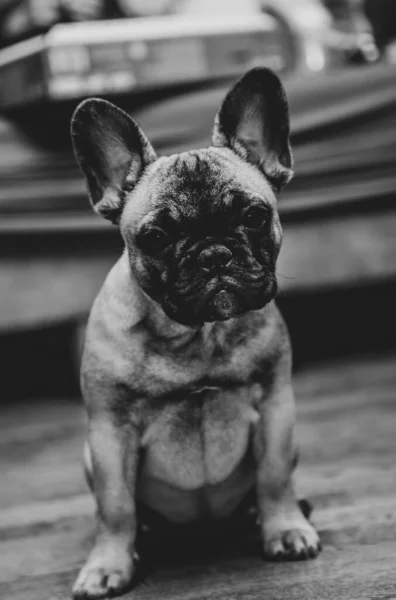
<point x="153" y="240"/>
<point x="255" y="217"/>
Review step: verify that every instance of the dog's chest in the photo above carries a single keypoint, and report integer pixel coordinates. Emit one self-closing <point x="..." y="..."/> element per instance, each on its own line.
<point x="212" y="356"/>
<point x="198" y="439"/>
<point x="199" y="413"/>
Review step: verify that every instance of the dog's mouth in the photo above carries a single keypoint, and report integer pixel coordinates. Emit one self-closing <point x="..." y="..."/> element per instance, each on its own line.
<point x="223" y="305"/>
<point x="222" y="298"/>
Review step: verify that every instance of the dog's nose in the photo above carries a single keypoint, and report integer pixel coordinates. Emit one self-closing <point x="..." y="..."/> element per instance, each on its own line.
<point x="214" y="257"/>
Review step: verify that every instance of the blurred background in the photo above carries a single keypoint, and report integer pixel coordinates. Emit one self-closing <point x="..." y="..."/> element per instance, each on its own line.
<point x="169" y="63"/>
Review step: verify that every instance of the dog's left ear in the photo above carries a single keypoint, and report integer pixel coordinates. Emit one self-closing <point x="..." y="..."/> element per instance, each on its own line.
<point x="253" y="121"/>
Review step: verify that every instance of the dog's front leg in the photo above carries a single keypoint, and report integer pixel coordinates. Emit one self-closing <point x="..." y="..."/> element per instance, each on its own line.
<point x="286" y="534"/>
<point x="113" y="456"/>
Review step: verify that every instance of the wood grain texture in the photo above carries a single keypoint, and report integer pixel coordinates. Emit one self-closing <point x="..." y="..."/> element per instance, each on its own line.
<point x="346" y="430"/>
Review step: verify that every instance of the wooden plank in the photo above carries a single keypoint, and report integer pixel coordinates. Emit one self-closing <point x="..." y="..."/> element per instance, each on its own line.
<point x="358" y="573"/>
<point x="45" y="290"/>
<point x="338" y="251"/>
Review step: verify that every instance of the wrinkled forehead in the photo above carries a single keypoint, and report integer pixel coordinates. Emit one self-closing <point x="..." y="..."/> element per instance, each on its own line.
<point x="201" y="182"/>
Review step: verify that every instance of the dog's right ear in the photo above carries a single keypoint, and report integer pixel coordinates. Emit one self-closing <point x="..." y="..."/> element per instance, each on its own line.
<point x="112" y="152"/>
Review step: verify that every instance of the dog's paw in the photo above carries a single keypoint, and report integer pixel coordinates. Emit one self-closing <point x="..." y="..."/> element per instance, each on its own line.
<point x="292" y="541"/>
<point x="107" y="573"/>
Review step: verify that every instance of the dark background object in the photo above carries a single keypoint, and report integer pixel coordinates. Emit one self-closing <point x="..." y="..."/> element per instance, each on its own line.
<point x="382" y="15"/>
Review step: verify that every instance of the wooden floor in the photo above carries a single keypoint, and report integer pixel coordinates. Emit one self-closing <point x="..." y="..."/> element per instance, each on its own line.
<point x="347" y="432"/>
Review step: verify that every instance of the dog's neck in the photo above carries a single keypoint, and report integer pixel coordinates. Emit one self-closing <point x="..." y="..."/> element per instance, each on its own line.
<point x="164" y="327"/>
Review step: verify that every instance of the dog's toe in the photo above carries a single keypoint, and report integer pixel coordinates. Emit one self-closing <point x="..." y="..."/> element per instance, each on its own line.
<point x="90" y="584"/>
<point x="294" y="543"/>
<point x="104" y="575"/>
<point x="97" y="583"/>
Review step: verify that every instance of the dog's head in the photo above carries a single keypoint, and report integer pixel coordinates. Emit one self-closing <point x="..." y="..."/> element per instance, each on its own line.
<point x="201" y="228"/>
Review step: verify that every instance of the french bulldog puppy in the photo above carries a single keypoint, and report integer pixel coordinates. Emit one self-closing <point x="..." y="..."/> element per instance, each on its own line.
<point x="186" y="368"/>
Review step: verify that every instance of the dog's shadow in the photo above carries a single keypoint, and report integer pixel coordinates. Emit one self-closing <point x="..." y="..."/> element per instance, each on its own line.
<point x="161" y="544"/>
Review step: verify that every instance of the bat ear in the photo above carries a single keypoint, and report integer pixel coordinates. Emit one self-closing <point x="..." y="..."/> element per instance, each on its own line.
<point x="253" y="121"/>
<point x="112" y="152"/>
